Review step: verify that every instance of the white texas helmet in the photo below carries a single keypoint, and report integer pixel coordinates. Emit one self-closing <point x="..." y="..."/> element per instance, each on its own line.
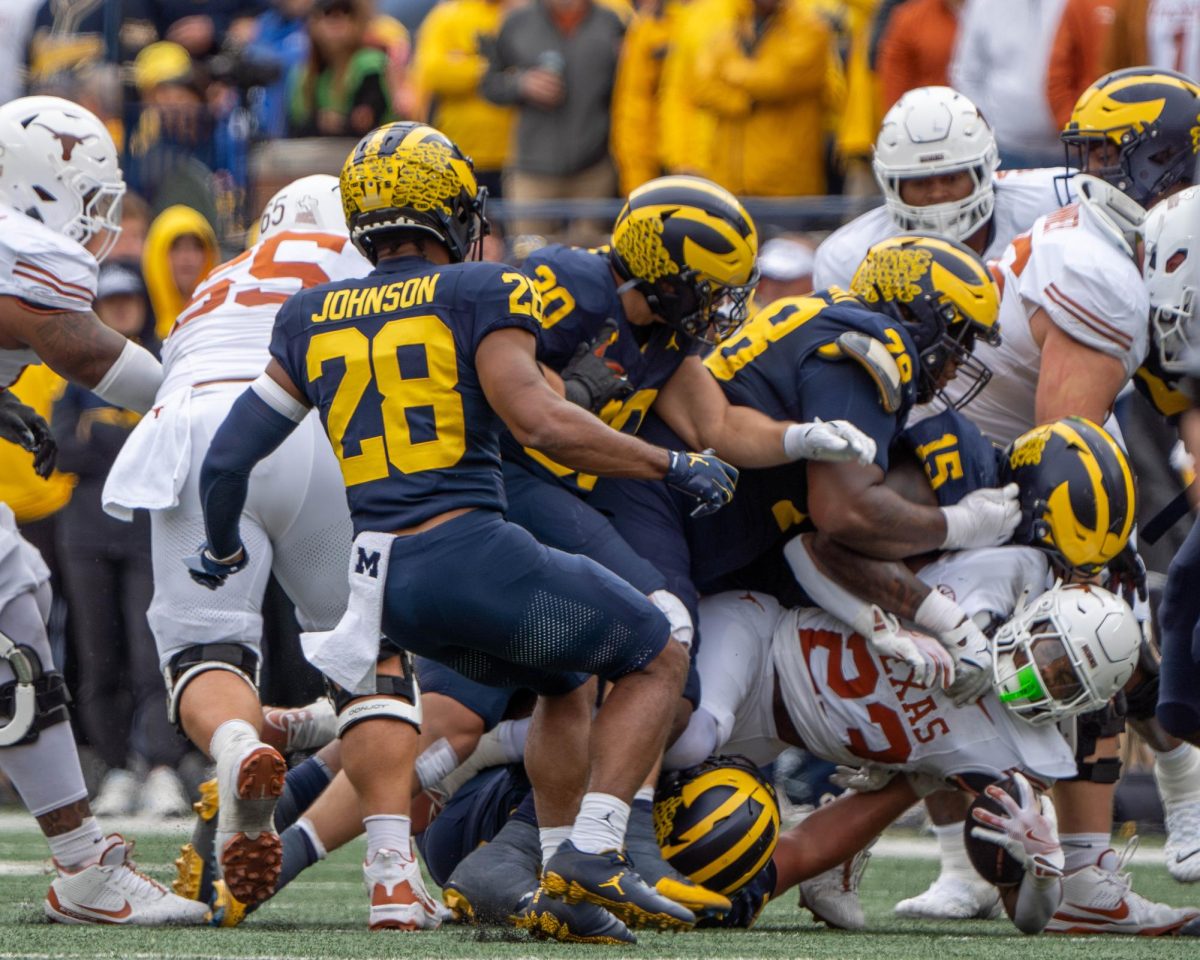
<point x="1171" y="267"/>
<point x="1066" y="653"/>
<point x="59" y="165"/>
<point x="312" y="203"/>
<point x="932" y="131"/>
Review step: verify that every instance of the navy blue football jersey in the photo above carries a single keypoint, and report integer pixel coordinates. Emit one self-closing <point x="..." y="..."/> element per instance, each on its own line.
<point x="389" y="361"/>
<point x="579" y="295"/>
<point x="956" y="456"/>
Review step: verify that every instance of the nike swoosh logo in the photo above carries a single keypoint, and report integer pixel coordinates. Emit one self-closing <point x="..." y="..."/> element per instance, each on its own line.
<point x="121" y="914"/>
<point x="1180" y="857"/>
<point x="1120" y="912"/>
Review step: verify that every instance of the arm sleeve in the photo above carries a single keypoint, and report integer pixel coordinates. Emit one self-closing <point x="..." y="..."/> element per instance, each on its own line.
<point x="494" y="298"/>
<point x="843" y="391"/>
<point x="251" y="431"/>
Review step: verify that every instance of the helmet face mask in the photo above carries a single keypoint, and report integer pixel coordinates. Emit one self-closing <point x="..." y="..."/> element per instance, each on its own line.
<point x="1171" y="267"/>
<point x="1067" y="653"/>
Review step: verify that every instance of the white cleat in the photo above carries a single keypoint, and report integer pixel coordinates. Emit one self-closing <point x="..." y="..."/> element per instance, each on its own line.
<point x="118" y="796"/>
<point x="832" y="897"/>
<point x="953" y="897"/>
<point x="163" y="797"/>
<point x="304" y="728"/>
<point x="113" y="891"/>
<point x="249" y="851"/>
<point x="1183" y="841"/>
<point x="1103" y="901"/>
<point x="399" y="900"/>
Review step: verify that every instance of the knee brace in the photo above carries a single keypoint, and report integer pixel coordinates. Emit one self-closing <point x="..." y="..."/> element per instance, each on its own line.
<point x="200" y="658"/>
<point x="1142" y="700"/>
<point x="395" y="698"/>
<point x="1106" y="770"/>
<point x="35" y="699"/>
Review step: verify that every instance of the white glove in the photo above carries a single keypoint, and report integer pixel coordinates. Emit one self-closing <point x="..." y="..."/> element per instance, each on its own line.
<point x="1027" y="832"/>
<point x="972" y="655"/>
<point x="925" y="656"/>
<point x="983" y="518"/>
<point x="865" y="779"/>
<point x="835" y="440"/>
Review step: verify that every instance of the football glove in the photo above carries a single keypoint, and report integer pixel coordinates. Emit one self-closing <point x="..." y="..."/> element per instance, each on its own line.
<point x="1127" y="575"/>
<point x="210" y="572"/>
<point x="836" y="440"/>
<point x="928" y="659"/>
<point x="589" y="379"/>
<point x="983" y="518"/>
<point x="704" y="476"/>
<point x="972" y="656"/>
<point x="25" y="427"/>
<point x="1027" y="833"/>
<point x="868" y="778"/>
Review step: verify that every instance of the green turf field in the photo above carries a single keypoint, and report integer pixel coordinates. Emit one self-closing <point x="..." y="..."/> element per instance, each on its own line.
<point x="323" y="915"/>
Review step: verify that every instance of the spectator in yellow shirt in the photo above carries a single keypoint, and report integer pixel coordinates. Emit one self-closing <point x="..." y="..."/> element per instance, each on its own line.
<point x="637" y="153"/>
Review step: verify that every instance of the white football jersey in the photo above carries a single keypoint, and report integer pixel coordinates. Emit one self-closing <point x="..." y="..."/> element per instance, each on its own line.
<point x="44" y="269"/>
<point x="849" y="704"/>
<point x="1021" y="197"/>
<point x="225" y="330"/>
<point x="1069" y="266"/>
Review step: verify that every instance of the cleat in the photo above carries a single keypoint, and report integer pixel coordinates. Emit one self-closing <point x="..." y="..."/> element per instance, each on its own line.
<point x="1102" y="901"/>
<point x="194" y="866"/>
<point x="832" y="897"/>
<point x="162" y="796"/>
<point x="303" y="728"/>
<point x="548" y="919"/>
<point x="227" y="910"/>
<point x="113" y="891"/>
<point x="118" y="796"/>
<point x="953" y="897"/>
<point x="643" y="851"/>
<point x="250" y="851"/>
<point x="399" y="900"/>
<point x="487" y="886"/>
<point x="1182" y="851"/>
<point x="609" y="880"/>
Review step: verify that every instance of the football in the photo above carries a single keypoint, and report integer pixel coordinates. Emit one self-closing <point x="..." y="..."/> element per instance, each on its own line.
<point x="995" y="864"/>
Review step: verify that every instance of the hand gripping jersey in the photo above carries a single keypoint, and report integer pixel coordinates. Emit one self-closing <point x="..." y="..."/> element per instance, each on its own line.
<point x="224" y="331"/>
<point x="1089" y="287"/>
<point x="849" y="704"/>
<point x="46" y="270"/>
<point x="389" y="361"/>
<point x="1021" y="197"/>
<point x="579" y="295"/>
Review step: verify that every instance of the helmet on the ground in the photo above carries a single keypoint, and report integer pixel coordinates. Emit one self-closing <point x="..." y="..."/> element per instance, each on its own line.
<point x="717" y="823"/>
<point x="1171" y="267"/>
<point x="1066" y="653"/>
<point x="1078" y="495"/>
<point x="408" y="177"/>
<point x="59" y="165"/>
<point x="313" y="203"/>
<point x="934" y="131"/>
<point x="1149" y="117"/>
<point x="945" y="298"/>
<point x="689" y="247"/>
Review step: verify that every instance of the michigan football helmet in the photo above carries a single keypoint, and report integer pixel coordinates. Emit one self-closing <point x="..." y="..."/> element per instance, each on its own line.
<point x="933" y="131"/>
<point x="1078" y="494"/>
<point x="1146" y="120"/>
<point x="59" y="165"/>
<point x="1066" y="653"/>
<point x="410" y="177"/>
<point x="1171" y="267"/>
<point x="689" y="247"/>
<point x="944" y="296"/>
<point x="717" y="823"/>
<point x="310" y="203"/>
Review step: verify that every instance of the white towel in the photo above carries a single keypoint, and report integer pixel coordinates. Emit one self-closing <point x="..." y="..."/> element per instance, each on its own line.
<point x="154" y="462"/>
<point x="347" y="654"/>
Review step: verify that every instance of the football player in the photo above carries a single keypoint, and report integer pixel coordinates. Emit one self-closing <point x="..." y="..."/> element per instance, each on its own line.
<point x="413" y="369"/>
<point x="1074" y="313"/>
<point x="60" y="198"/>
<point x="935" y="161"/>
<point x="209" y="643"/>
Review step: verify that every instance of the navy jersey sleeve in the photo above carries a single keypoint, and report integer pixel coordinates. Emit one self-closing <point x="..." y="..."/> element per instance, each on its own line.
<point x="835" y="390"/>
<point x="502" y="297"/>
<point x="955" y="455"/>
<point x="578" y="293"/>
<point x="287" y="346"/>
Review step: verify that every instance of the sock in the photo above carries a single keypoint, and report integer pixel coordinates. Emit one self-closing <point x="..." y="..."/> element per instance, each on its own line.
<point x="301" y="849"/>
<point x="80" y="847"/>
<point x="1177" y="773"/>
<point x="953" y="850"/>
<point x="1084" y="849"/>
<point x="436" y="761"/>
<point x="601" y="823"/>
<point x="512" y="734"/>
<point x="552" y="838"/>
<point x="646" y="794"/>
<point x="302" y="785"/>
<point x="228" y="733"/>
<point x="388" y="832"/>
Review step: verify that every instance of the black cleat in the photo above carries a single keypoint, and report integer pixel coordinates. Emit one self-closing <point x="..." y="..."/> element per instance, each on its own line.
<point x="549" y="919"/>
<point x="487" y="886"/>
<point x="608" y="880"/>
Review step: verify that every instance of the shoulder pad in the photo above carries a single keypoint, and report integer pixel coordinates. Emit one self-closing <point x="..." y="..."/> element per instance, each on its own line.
<point x="874" y="357"/>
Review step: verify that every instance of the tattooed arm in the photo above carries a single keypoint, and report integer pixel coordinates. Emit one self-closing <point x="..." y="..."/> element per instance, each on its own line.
<point x="76" y="346"/>
<point x="888" y="583"/>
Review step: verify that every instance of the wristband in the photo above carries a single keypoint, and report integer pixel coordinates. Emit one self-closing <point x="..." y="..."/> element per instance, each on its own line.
<point x="938" y="614"/>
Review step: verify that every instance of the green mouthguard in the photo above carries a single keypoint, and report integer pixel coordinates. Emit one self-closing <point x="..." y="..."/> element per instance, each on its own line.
<point x="1030" y="686"/>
